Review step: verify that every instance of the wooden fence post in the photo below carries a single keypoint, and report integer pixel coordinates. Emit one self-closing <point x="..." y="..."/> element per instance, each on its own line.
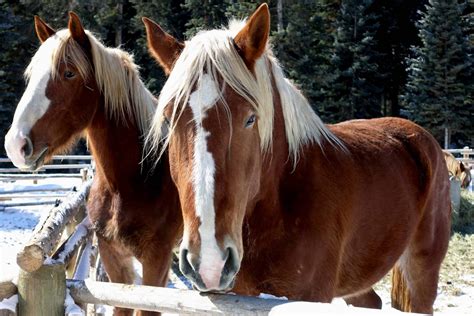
<point x="43" y="291"/>
<point x="465" y="153"/>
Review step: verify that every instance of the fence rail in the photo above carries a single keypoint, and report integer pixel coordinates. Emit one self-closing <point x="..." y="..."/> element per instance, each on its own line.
<point x="32" y="176"/>
<point x="187" y="302"/>
<point x="467" y="154"/>
<point x="81" y="167"/>
<point x="48" y="167"/>
<point x="59" y="163"/>
<point x="59" y="157"/>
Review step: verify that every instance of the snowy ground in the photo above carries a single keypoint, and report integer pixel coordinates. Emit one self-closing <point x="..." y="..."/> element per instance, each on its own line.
<point x="16" y="225"/>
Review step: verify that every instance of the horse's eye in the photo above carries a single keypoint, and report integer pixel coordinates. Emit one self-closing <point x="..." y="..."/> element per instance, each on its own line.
<point x="167" y="122"/>
<point x="69" y="74"/>
<point x="250" y="120"/>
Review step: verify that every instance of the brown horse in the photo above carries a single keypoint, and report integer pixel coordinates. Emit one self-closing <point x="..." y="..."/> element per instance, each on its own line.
<point x="273" y="200"/>
<point x="79" y="87"/>
<point x="458" y="169"/>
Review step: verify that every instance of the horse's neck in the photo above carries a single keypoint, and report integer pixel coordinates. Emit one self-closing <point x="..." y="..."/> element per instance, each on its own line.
<point x="275" y="163"/>
<point x="117" y="150"/>
<point x="279" y="172"/>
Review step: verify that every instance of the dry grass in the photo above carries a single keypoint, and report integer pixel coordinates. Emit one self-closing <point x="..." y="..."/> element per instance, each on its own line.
<point x="463" y="220"/>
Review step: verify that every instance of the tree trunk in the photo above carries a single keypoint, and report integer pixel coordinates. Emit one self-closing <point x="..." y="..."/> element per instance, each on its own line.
<point x="280" y="15"/>
<point x="118" y="35"/>
<point x="447" y="137"/>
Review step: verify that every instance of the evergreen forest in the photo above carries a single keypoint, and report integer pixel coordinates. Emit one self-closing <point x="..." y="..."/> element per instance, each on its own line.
<point x="353" y="59"/>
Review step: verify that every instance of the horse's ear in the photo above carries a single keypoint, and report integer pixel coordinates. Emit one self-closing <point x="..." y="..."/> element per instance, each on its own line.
<point x="77" y="30"/>
<point x="252" y="39"/>
<point x="162" y="46"/>
<point x="43" y="30"/>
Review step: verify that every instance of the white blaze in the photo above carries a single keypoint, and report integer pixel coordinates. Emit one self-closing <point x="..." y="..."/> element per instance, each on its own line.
<point x="211" y="262"/>
<point x="33" y="103"/>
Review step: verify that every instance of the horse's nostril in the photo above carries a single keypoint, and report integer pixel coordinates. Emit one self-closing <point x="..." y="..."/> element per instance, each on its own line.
<point x="27" y="149"/>
<point x="185" y="265"/>
<point x="232" y="263"/>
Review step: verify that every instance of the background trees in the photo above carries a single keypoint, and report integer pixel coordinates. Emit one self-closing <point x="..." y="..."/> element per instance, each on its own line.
<point x="350" y="57"/>
<point x="439" y="89"/>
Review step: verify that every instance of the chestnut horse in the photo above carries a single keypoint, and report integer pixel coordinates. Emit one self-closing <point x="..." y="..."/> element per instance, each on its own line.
<point x="79" y="87"/>
<point x="458" y="169"/>
<point x="273" y="200"/>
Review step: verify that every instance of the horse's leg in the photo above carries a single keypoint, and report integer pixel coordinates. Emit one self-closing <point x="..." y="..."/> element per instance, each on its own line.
<point x="118" y="264"/>
<point x="156" y="268"/>
<point x="368" y="299"/>
<point x="415" y="276"/>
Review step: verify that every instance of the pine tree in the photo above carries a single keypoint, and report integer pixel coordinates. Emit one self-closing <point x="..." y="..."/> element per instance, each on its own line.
<point x="394" y="37"/>
<point x="207" y="14"/>
<point x="356" y="90"/>
<point x="439" y="89"/>
<point x="304" y="47"/>
<point x="19" y="43"/>
<point x="241" y="9"/>
<point x="172" y="18"/>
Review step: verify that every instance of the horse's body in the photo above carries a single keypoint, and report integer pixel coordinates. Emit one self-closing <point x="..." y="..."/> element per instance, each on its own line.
<point x="277" y="202"/>
<point x="331" y="229"/>
<point x="96" y="91"/>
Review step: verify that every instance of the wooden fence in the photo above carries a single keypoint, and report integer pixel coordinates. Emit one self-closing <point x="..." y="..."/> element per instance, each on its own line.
<point x="62" y="162"/>
<point x="43" y="286"/>
<point x="466" y="155"/>
<point x="66" y="166"/>
<point x="53" y="271"/>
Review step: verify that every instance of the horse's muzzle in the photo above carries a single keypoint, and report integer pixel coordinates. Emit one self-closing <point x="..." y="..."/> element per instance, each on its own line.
<point x="205" y="279"/>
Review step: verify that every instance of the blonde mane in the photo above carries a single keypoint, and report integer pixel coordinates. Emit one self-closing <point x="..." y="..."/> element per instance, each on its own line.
<point x="213" y="53"/>
<point x="115" y="72"/>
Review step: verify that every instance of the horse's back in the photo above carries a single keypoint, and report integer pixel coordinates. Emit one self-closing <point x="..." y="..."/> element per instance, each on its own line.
<point x="398" y="171"/>
<point x="403" y="153"/>
<point x="391" y="140"/>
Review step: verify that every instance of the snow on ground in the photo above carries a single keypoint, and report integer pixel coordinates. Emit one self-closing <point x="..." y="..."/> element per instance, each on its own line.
<point x="17" y="224"/>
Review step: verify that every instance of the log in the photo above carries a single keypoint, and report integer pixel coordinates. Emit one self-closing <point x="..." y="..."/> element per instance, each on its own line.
<point x="5" y="312"/>
<point x="43" y="291"/>
<point x="166" y="300"/>
<point x="46" y="235"/>
<point x="9" y="306"/>
<point x="7" y="287"/>
<point x="185" y="302"/>
<point x="70" y="228"/>
<point x="67" y="250"/>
